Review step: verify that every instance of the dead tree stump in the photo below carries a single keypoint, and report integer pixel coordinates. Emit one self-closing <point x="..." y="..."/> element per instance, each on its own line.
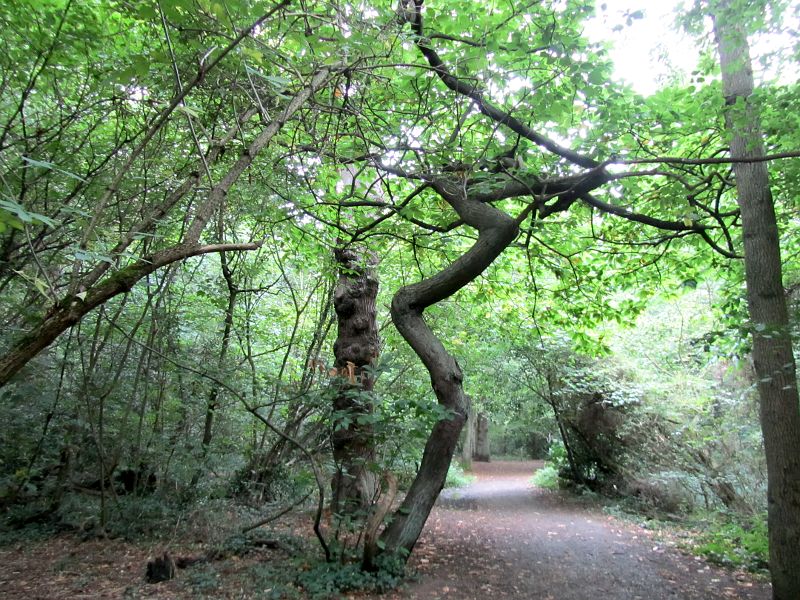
<point x="160" y="569"/>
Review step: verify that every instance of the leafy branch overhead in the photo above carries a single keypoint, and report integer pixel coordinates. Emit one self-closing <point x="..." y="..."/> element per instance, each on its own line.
<point x="199" y="198"/>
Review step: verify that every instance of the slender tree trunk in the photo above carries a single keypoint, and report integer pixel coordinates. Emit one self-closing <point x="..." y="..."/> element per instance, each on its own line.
<point x="468" y="448"/>
<point x="356" y="348"/>
<point x="482" y="453"/>
<point x="213" y="396"/>
<point x="562" y="430"/>
<point x="496" y="230"/>
<point x="772" y="343"/>
<point x="72" y="309"/>
<point x="213" y="401"/>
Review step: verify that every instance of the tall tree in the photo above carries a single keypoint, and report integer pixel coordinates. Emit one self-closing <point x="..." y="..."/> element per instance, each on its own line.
<point x="772" y="341"/>
<point x="476" y="193"/>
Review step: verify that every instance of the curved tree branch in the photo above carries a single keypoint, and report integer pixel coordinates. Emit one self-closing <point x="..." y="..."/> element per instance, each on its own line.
<point x="75" y="305"/>
<point x="72" y="309"/>
<point x="496" y="231"/>
<point x="487" y="108"/>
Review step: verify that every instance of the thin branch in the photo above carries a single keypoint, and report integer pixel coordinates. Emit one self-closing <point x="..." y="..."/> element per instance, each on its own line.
<point x="674" y="160"/>
<point x="472" y="91"/>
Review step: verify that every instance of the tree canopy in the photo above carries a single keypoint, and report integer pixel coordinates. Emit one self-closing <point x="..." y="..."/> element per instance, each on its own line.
<point x="176" y="176"/>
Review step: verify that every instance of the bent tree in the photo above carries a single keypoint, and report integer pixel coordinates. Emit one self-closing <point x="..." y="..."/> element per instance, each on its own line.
<point x="497" y="202"/>
<point x="499" y="199"/>
<point x="453" y="120"/>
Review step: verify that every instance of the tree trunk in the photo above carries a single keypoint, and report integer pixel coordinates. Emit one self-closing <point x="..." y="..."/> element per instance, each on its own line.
<point x="72" y="309"/>
<point x="551" y="399"/>
<point x="213" y="401"/>
<point x="772" y="344"/>
<point x="482" y="439"/>
<point x="496" y="230"/>
<point x="356" y="348"/>
<point x="468" y="447"/>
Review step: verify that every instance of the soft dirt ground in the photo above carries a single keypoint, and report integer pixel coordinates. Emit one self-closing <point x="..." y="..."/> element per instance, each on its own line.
<point x="501" y="537"/>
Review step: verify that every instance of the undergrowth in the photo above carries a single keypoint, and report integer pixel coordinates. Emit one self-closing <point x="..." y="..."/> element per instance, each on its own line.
<point x="546" y="477"/>
<point x="456" y="477"/>
<point x="329" y="580"/>
<point x="735" y="543"/>
<point x="726" y="540"/>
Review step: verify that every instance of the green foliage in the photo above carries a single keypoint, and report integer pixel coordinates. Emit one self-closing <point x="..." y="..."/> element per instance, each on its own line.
<point x="259" y="482"/>
<point x="270" y="582"/>
<point x="203" y="581"/>
<point x="557" y="455"/>
<point x="586" y="304"/>
<point x="547" y="477"/>
<point x="323" y="580"/>
<point x="735" y="543"/>
<point x="456" y="477"/>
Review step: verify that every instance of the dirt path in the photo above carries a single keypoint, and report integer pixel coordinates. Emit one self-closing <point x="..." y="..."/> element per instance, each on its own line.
<point x="503" y="538"/>
<point x="498" y="538"/>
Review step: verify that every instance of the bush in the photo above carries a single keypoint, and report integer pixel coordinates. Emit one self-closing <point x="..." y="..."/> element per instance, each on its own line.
<point x="557" y="455"/>
<point x="456" y="477"/>
<point x="329" y="580"/>
<point x="736" y="544"/>
<point x="547" y="477"/>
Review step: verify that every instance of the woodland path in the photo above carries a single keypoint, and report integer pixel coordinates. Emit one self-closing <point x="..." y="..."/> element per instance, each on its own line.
<point x="501" y="537"/>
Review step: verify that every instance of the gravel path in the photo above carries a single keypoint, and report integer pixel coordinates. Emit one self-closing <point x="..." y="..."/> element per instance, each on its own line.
<point x="502" y="537"/>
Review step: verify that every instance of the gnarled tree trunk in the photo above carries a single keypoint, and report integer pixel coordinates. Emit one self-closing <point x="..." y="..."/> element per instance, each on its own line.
<point x="356" y="348"/>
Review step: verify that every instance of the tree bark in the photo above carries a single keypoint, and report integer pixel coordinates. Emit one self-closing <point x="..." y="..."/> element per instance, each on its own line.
<point x="496" y="230"/>
<point x="772" y="343"/>
<point x="213" y="395"/>
<point x="356" y="348"/>
<point x="468" y="447"/>
<point x="482" y="453"/>
<point x="213" y="401"/>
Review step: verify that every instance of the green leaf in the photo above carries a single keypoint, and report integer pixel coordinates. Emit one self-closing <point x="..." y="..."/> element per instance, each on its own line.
<point x="48" y="165"/>
<point x="187" y="111"/>
<point x="18" y="215"/>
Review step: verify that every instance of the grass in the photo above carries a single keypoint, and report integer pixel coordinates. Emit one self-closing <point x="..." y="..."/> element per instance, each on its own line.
<point x="734" y="543"/>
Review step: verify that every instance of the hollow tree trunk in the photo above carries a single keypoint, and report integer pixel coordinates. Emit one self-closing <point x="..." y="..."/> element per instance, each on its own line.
<point x="356" y="348"/>
<point x="496" y="230"/>
<point x="772" y="342"/>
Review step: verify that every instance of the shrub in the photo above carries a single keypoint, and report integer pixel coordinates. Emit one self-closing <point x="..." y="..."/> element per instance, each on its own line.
<point x="736" y="544"/>
<point x="327" y="580"/>
<point x="547" y="477"/>
<point x="456" y="477"/>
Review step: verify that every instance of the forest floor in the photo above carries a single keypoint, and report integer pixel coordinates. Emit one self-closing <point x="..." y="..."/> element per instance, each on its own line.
<point x="500" y="537"/>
